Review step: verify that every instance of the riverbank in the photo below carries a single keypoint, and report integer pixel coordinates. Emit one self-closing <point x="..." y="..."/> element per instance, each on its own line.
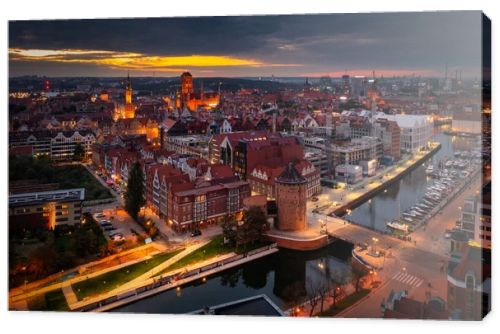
<point x="319" y="213"/>
<point x="156" y="285"/>
<point x="390" y="180"/>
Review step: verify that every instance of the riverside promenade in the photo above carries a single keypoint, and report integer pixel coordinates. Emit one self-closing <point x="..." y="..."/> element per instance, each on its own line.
<point x="323" y="214"/>
<point x="154" y="285"/>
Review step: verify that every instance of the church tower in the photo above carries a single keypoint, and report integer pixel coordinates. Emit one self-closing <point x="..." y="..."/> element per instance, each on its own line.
<point x="128" y="91"/>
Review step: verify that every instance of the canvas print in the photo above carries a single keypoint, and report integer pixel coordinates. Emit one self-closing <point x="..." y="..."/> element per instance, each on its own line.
<point x="333" y="165"/>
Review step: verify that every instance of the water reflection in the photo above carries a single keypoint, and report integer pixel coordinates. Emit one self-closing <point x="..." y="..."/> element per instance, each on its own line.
<point x="410" y="189"/>
<point x="282" y="276"/>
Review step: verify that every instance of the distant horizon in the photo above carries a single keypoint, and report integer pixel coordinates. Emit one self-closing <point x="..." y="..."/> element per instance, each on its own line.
<point x="426" y="44"/>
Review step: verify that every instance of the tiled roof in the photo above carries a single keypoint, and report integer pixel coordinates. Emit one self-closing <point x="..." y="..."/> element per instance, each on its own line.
<point x="290" y="175"/>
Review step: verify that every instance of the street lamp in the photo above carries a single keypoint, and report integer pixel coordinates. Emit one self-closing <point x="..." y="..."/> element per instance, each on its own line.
<point x="375" y="240"/>
<point x="25" y="280"/>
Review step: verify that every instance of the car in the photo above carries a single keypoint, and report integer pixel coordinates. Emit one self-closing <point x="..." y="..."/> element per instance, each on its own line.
<point x="109" y="228"/>
<point x="314" y="199"/>
<point x="105" y="223"/>
<point x="99" y="215"/>
<point x="196" y="233"/>
<point x="116" y="236"/>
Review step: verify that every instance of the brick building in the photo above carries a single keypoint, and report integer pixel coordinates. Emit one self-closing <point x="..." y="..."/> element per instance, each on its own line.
<point x="291" y="200"/>
<point x="193" y="205"/>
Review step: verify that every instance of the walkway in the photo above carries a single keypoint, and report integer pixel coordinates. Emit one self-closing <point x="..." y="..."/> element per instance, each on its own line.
<point x="40" y="287"/>
<point x="138" y="280"/>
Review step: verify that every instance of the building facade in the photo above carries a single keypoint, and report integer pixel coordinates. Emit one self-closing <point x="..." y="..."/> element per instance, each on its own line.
<point x="291" y="200"/>
<point x="45" y="209"/>
<point x="57" y="145"/>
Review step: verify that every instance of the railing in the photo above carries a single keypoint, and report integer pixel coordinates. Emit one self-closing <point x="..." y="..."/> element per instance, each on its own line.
<point x="171" y="279"/>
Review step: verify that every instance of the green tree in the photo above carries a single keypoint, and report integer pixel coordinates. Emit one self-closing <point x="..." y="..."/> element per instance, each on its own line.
<point x="78" y="152"/>
<point x="229" y="231"/>
<point x="134" y="196"/>
<point x="254" y="226"/>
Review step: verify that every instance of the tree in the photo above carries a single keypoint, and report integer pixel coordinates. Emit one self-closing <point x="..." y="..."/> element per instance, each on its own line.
<point x="229" y="231"/>
<point x="358" y="272"/>
<point x="78" y="152"/>
<point x="254" y="226"/>
<point x="312" y="295"/>
<point x="134" y="196"/>
<point x="337" y="280"/>
<point x="323" y="289"/>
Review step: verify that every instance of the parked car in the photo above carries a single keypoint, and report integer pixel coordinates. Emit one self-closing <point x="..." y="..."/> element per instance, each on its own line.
<point x="116" y="236"/>
<point x="99" y="215"/>
<point x="105" y="223"/>
<point x="314" y="199"/>
<point x="196" y="233"/>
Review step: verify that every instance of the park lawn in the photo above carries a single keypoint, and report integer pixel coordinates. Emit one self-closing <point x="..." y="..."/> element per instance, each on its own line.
<point x="214" y="248"/>
<point x="55" y="301"/>
<point x="345" y="303"/>
<point x="77" y="176"/>
<point x="52" y="301"/>
<point x="113" y="279"/>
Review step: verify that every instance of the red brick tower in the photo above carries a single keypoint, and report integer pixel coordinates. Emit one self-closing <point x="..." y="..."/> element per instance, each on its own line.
<point x="291" y="200"/>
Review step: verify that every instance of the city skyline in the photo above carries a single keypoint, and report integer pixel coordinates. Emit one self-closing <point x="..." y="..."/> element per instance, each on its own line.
<point x="302" y="45"/>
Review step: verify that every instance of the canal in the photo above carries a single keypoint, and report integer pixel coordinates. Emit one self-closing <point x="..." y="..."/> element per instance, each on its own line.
<point x="284" y="277"/>
<point x="390" y="204"/>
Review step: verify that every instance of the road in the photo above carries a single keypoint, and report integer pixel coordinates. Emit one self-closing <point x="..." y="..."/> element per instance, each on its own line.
<point x="412" y="267"/>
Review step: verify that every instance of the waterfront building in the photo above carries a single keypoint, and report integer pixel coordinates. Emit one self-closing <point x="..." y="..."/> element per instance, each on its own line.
<point x="45" y="209"/>
<point x="466" y="122"/>
<point x="390" y="135"/>
<point x="348" y="173"/>
<point x="291" y="198"/>
<point x="475" y="217"/>
<point x="416" y="130"/>
<point x="355" y="151"/>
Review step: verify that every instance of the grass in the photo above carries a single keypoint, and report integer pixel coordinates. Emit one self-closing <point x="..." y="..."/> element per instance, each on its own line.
<point x="52" y="301"/>
<point x="214" y="248"/>
<point x="113" y="279"/>
<point x="77" y="176"/>
<point x="55" y="301"/>
<point x="345" y="303"/>
<point x="41" y="170"/>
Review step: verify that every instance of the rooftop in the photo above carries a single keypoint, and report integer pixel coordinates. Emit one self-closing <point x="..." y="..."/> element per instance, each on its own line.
<point x="63" y="195"/>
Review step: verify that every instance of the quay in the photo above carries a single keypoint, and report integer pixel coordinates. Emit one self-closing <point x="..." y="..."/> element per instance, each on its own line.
<point x="323" y="216"/>
<point x="155" y="285"/>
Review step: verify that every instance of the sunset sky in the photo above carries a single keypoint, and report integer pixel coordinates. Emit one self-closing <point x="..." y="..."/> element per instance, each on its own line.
<point x="303" y="45"/>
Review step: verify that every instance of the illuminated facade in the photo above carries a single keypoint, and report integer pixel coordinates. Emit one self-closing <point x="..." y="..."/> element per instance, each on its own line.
<point x="46" y="209"/>
<point x="126" y="110"/>
<point x="188" y="98"/>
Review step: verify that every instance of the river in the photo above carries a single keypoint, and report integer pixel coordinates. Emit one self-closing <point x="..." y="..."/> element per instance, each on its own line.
<point x="286" y="275"/>
<point x="389" y="205"/>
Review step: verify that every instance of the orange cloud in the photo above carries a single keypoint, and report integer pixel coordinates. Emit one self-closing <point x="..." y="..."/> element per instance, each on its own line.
<point x="137" y="61"/>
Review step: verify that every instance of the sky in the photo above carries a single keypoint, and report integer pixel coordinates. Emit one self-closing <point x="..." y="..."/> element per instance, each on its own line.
<point x="242" y="46"/>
